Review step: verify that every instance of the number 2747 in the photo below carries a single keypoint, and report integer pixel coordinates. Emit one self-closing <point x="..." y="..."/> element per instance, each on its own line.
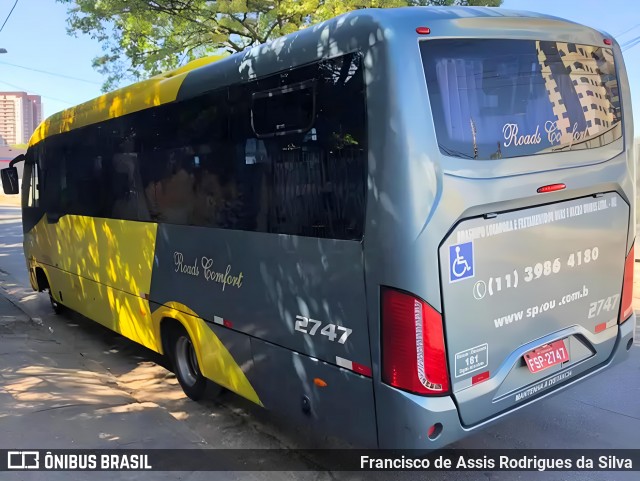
<point x="607" y="304"/>
<point x="311" y="326"/>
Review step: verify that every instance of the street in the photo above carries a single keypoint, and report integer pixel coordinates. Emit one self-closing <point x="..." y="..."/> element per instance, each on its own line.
<point x="95" y="389"/>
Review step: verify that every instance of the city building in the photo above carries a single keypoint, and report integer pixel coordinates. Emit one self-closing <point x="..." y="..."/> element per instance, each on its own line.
<point x="20" y="114"/>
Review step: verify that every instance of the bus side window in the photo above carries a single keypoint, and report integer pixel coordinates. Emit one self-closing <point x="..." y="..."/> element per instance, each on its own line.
<point x="318" y="181"/>
<point x="126" y="188"/>
<point x="295" y="164"/>
<point x="54" y="175"/>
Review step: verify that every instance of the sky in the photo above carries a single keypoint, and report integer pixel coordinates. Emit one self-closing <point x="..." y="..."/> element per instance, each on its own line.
<point x="35" y="38"/>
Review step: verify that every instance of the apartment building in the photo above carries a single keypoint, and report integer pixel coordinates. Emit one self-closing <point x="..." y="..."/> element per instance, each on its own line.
<point x="20" y="114"/>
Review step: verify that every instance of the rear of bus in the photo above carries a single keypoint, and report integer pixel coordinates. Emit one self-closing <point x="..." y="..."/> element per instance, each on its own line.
<point x="500" y="241"/>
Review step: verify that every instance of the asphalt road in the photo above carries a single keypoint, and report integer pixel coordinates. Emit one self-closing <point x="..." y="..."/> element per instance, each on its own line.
<point x="601" y="413"/>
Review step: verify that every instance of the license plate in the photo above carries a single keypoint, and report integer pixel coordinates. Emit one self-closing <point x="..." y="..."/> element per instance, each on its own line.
<point x="546" y="356"/>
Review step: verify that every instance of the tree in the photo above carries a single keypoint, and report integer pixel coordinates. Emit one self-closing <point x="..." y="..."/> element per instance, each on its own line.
<point x="141" y="38"/>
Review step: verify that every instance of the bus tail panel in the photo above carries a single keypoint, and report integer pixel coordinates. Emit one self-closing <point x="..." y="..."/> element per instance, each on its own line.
<point x="531" y="299"/>
<point x="315" y="394"/>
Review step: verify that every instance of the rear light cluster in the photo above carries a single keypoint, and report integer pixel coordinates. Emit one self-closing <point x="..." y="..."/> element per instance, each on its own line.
<point x="626" y="305"/>
<point x="413" y="352"/>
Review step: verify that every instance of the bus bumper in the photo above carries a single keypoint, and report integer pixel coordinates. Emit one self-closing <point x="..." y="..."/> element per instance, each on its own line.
<point x="413" y="415"/>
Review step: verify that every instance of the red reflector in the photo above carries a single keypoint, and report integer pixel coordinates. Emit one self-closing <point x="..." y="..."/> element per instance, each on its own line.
<point x="551" y="188"/>
<point x="227" y="323"/>
<point x="608" y="41"/>
<point x="360" y="369"/>
<point x="423" y="30"/>
<point x="413" y="352"/>
<point x="626" y="305"/>
<point x="600" y="327"/>
<point x="480" y="377"/>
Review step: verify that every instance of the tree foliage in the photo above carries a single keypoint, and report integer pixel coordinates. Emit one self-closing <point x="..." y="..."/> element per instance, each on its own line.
<point x="145" y="37"/>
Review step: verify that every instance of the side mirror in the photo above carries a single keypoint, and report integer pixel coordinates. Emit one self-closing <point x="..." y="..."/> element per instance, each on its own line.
<point x="10" y="180"/>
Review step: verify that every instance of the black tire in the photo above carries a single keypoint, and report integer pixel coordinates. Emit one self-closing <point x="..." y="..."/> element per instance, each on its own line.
<point x="185" y="365"/>
<point x="55" y="305"/>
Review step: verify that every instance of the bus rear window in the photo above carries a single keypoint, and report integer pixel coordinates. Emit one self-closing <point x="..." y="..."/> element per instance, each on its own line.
<point x="495" y="99"/>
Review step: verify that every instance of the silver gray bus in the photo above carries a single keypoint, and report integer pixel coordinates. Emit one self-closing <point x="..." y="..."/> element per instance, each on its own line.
<point x="397" y="226"/>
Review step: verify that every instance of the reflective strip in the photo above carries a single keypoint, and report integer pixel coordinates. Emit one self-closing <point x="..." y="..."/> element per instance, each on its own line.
<point x="480" y="377"/>
<point x="360" y="369"/>
<point x="223" y="322"/>
<point x="344" y="363"/>
<point x="606" y="325"/>
<point x="612" y="322"/>
<point x="353" y="366"/>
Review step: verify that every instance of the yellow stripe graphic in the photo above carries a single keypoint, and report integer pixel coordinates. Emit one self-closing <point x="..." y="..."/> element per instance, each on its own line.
<point x="103" y="268"/>
<point x="216" y="362"/>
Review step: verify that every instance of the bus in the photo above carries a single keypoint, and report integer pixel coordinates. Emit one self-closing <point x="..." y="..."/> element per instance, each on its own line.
<point x="397" y="226"/>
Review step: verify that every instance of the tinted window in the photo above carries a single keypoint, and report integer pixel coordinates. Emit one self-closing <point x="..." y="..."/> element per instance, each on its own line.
<point x="284" y="110"/>
<point x="492" y="99"/>
<point x="297" y="166"/>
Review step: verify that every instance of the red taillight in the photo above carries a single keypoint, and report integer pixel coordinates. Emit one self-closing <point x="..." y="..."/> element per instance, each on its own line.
<point x="626" y="305"/>
<point x="423" y="30"/>
<point x="607" y="41"/>
<point x="413" y="353"/>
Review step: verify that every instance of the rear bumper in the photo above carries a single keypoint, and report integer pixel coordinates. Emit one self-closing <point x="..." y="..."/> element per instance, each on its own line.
<point x="413" y="415"/>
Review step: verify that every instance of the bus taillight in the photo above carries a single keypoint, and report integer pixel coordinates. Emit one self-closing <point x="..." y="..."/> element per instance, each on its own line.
<point x="626" y="305"/>
<point x="413" y="352"/>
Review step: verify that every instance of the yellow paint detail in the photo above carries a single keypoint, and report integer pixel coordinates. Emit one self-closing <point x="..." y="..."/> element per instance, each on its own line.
<point x="216" y="362"/>
<point x="101" y="267"/>
<point x="157" y="90"/>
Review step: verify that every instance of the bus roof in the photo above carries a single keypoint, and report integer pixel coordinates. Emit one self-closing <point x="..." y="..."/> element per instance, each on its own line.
<point x="170" y="86"/>
<point x="138" y="96"/>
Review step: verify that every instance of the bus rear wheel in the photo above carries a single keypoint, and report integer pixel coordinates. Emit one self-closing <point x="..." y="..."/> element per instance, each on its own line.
<point x="186" y="367"/>
<point x="55" y="305"/>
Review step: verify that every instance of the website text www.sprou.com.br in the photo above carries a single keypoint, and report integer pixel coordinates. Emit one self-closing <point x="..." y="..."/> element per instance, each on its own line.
<point x="533" y="311"/>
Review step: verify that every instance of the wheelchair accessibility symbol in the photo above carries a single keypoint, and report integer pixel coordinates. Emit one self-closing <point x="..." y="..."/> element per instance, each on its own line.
<point x="460" y="262"/>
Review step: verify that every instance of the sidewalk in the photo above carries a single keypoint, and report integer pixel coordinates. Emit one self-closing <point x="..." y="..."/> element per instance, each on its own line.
<point x="42" y="390"/>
